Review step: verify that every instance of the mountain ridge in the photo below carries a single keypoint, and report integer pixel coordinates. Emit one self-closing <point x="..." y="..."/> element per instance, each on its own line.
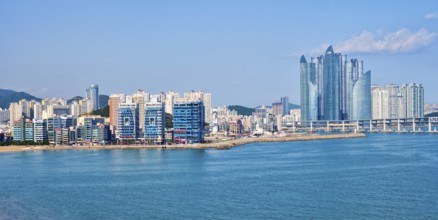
<point x="9" y="96"/>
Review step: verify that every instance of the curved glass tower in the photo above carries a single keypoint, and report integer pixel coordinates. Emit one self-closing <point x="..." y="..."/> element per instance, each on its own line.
<point x="331" y="76"/>
<point x="362" y="97"/>
<point x="308" y="90"/>
<point x="334" y="88"/>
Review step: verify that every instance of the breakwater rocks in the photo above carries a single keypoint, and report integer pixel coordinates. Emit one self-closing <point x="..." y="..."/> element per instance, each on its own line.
<point x="216" y="145"/>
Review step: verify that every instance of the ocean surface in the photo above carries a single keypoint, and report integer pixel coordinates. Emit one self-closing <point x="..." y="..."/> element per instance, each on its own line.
<point x="382" y="176"/>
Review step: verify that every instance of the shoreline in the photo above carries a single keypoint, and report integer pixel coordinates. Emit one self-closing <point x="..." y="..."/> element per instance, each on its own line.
<point x="218" y="145"/>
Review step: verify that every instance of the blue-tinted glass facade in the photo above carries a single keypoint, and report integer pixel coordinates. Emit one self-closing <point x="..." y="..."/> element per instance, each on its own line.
<point x="90" y="124"/>
<point x="362" y="97"/>
<point x="128" y="121"/>
<point x="333" y="88"/>
<point x="309" y="92"/>
<point x="332" y="74"/>
<point x="155" y="122"/>
<point x="93" y="94"/>
<point x="188" y="122"/>
<point x="285" y="105"/>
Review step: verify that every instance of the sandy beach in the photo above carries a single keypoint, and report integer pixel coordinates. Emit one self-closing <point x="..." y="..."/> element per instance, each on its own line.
<point x="217" y="145"/>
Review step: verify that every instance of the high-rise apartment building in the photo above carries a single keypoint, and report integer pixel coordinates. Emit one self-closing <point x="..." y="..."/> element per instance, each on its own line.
<point x="75" y="109"/>
<point x="114" y="101"/>
<point x="203" y="97"/>
<point x="93" y="94"/>
<point x="86" y="106"/>
<point x="414" y="100"/>
<point x="206" y="99"/>
<point x="188" y="121"/>
<point x="392" y="101"/>
<point x="37" y="111"/>
<point x="277" y="108"/>
<point x="379" y="98"/>
<point x="140" y="98"/>
<point x="39" y="130"/>
<point x="90" y="128"/>
<point x="155" y="122"/>
<point x="4" y="115"/>
<point x="334" y="88"/>
<point x="15" y="113"/>
<point x="23" y="130"/>
<point x="170" y="99"/>
<point x="128" y="125"/>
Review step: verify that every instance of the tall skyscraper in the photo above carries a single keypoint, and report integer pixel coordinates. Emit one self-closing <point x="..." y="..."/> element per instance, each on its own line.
<point x="334" y="88"/>
<point x="93" y="94"/>
<point x="362" y="98"/>
<point x="285" y="105"/>
<point x="332" y="85"/>
<point x="309" y="91"/>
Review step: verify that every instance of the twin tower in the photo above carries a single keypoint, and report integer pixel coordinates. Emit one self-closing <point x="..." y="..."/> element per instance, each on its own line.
<point x="334" y="88"/>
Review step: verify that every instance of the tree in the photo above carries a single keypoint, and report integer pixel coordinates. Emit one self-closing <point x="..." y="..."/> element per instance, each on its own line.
<point x="169" y="120"/>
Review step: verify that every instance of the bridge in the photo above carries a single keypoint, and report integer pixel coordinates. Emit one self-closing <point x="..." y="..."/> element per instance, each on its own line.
<point x="373" y="125"/>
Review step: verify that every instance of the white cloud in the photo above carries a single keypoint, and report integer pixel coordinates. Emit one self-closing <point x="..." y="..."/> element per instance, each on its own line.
<point x="431" y="16"/>
<point x="401" y="41"/>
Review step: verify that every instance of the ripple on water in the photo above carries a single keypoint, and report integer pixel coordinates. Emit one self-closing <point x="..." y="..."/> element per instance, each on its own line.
<point x="380" y="176"/>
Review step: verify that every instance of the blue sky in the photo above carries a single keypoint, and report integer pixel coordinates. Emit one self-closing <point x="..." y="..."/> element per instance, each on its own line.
<point x="244" y="52"/>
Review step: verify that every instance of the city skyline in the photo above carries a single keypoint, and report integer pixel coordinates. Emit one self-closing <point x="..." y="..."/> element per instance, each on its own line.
<point x="226" y="48"/>
<point x="334" y="87"/>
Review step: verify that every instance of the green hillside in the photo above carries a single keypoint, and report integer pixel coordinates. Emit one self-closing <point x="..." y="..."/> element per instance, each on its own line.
<point x="76" y="98"/>
<point x="8" y="96"/>
<point x="104" y="112"/>
<point x="241" y="110"/>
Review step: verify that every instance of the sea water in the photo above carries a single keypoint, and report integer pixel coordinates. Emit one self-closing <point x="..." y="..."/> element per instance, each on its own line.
<point x="391" y="176"/>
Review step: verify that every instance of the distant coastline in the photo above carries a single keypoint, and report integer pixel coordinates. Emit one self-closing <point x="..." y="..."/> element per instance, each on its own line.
<point x="217" y="145"/>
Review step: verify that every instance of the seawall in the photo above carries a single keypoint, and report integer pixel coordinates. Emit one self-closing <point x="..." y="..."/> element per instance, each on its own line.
<point x="216" y="145"/>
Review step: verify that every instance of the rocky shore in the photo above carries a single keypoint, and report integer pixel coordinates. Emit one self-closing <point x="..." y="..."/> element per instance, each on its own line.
<point x="216" y="145"/>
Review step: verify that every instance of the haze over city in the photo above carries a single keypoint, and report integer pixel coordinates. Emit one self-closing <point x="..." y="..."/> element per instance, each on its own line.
<point x="218" y="109"/>
<point x="243" y="52"/>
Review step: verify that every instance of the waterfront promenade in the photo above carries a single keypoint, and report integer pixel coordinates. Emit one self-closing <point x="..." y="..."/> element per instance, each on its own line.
<point x="215" y="145"/>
